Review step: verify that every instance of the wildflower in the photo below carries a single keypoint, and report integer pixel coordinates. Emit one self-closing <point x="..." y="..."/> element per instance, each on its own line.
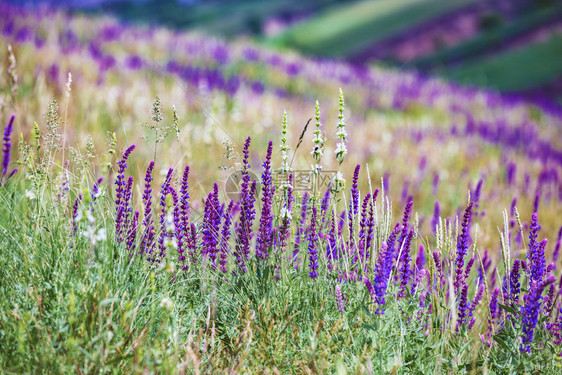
<point x="225" y="235"/>
<point x="530" y="311"/>
<point x="462" y="248"/>
<point x="247" y="198"/>
<point x="6" y="150"/>
<point x="263" y="241"/>
<point x="339" y="299"/>
<point x="313" y="246"/>
<point x="120" y="190"/>
<point x="285" y="167"/>
<point x="147" y="241"/>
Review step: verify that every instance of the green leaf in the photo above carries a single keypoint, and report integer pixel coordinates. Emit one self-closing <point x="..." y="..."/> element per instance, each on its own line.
<point x="509" y="309"/>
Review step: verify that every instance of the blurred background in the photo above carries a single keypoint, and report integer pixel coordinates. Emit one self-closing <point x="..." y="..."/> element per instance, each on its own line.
<point x="514" y="46"/>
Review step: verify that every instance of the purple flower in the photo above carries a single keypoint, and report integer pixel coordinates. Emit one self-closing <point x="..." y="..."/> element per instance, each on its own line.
<point x="530" y="311"/>
<point x="462" y="248"/>
<point x="211" y="225"/>
<point x="383" y="267"/>
<point x="514" y="285"/>
<point x="247" y="198"/>
<point x="405" y="271"/>
<point x="120" y="190"/>
<point x="75" y="214"/>
<point x="420" y="258"/>
<point x="339" y="299"/>
<point x="147" y="240"/>
<point x="463" y="306"/>
<point x="535" y="255"/>
<point x="164" y="191"/>
<point x="363" y="227"/>
<point x="6" y="150"/>
<point x="300" y="228"/>
<point x="353" y="206"/>
<point x="225" y="236"/>
<point x="132" y="234"/>
<point x="263" y="241"/>
<point x="435" y="219"/>
<point x="313" y="246"/>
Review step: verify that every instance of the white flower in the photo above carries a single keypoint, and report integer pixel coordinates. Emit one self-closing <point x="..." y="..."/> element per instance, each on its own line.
<point x="30" y="194"/>
<point x="339" y="178"/>
<point x="102" y="235"/>
<point x="341" y="149"/>
<point x="285" y="213"/>
<point x="167" y="304"/>
<point x="342" y="133"/>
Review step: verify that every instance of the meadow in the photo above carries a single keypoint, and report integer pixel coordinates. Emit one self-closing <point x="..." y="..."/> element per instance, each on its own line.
<point x="173" y="203"/>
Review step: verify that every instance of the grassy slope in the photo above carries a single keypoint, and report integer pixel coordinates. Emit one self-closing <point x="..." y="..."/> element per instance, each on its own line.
<point x="221" y="17"/>
<point x="519" y="69"/>
<point x="344" y="30"/>
<point x="487" y="41"/>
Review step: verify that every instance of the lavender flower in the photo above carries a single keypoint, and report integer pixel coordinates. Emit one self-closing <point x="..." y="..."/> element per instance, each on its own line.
<point x="211" y="224"/>
<point x="436" y="215"/>
<point x="132" y="234"/>
<point x="225" y="236"/>
<point x="405" y="271"/>
<point x="6" y="150"/>
<point x="263" y="241"/>
<point x="383" y="267"/>
<point x="247" y="197"/>
<point x="300" y="228"/>
<point x="339" y="299"/>
<point x="353" y="206"/>
<point x="123" y="216"/>
<point x="75" y="214"/>
<point x="530" y="311"/>
<point x="147" y="240"/>
<point x="514" y="285"/>
<point x="313" y="246"/>
<point x="164" y="191"/>
<point x="184" y="206"/>
<point x="120" y="181"/>
<point x="463" y="307"/>
<point x="462" y="248"/>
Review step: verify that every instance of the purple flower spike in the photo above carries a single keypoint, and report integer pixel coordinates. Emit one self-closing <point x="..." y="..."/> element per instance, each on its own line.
<point x="211" y="225"/>
<point x="300" y="229"/>
<point x="6" y="151"/>
<point x="353" y="207"/>
<point x="436" y="215"/>
<point x="405" y="270"/>
<point x="120" y="181"/>
<point x="132" y="234"/>
<point x="514" y="285"/>
<point x="530" y="311"/>
<point x="147" y="240"/>
<point x="247" y="198"/>
<point x="263" y="241"/>
<point x="75" y="214"/>
<point x="225" y="236"/>
<point x="164" y="191"/>
<point x="339" y="299"/>
<point x="462" y="248"/>
<point x="313" y="246"/>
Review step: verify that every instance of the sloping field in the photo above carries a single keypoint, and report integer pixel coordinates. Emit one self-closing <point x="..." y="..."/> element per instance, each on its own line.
<point x="520" y="69"/>
<point x="347" y="29"/>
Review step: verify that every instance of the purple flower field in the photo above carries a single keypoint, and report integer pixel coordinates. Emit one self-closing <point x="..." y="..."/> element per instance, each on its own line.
<point x="175" y="203"/>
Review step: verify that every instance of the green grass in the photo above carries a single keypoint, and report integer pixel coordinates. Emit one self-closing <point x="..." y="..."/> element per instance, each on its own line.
<point x="345" y="30"/>
<point x="520" y="69"/>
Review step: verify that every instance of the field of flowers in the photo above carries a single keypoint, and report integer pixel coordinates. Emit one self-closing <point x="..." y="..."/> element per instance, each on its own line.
<point x="174" y="203"/>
